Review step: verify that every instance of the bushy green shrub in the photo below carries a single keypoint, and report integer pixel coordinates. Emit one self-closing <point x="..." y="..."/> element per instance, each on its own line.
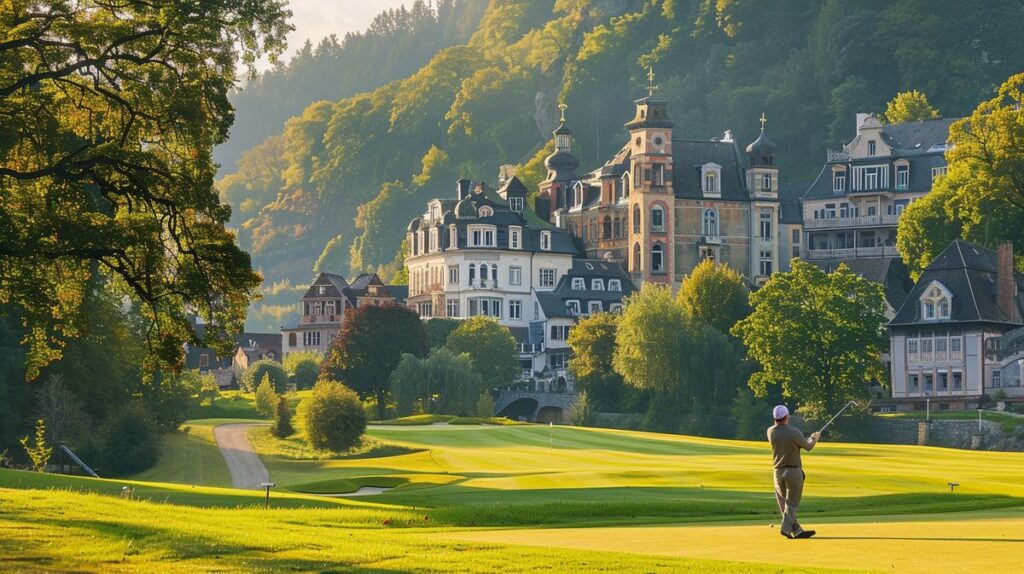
<point x="252" y="376"/>
<point x="127" y="443"/>
<point x="303" y="368"/>
<point x="332" y="417"/>
<point x="485" y="405"/>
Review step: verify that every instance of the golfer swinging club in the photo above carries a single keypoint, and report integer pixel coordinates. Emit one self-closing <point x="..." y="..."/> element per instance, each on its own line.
<point x="786" y="441"/>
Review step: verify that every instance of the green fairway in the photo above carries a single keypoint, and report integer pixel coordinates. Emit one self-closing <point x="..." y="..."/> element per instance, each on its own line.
<point x="479" y="498"/>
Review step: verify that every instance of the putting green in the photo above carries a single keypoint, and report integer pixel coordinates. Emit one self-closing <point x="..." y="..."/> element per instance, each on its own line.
<point x="983" y="541"/>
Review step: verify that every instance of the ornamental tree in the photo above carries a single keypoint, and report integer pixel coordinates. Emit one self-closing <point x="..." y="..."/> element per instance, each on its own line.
<point x="369" y="347"/>
<point x="110" y="113"/>
<point x="817" y="335"/>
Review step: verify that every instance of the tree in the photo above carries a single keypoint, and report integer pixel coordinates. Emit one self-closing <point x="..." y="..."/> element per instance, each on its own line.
<point x="282" y="426"/>
<point x="716" y="366"/>
<point x="369" y="347"/>
<point x="59" y="409"/>
<point x="332" y="417"/>
<point x="129" y="441"/>
<point x="485" y="405"/>
<point x="909" y="106"/>
<point x="583" y="411"/>
<point x="439" y="329"/>
<point x="817" y="335"/>
<point x="39" y="452"/>
<point x="266" y="398"/>
<point x="714" y="295"/>
<point x="981" y="198"/>
<point x="592" y="341"/>
<point x="491" y="347"/>
<point x="443" y="383"/>
<point x="111" y="111"/>
<point x="749" y="413"/>
<point x="651" y="340"/>
<point x="303" y="368"/>
<point x="253" y="376"/>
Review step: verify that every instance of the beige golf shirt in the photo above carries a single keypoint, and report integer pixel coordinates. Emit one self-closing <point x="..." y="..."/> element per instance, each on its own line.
<point x="786" y="441"/>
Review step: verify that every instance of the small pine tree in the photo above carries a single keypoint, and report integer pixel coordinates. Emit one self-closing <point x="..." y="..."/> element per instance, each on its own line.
<point x="40" y="452"/>
<point x="266" y="397"/>
<point x="485" y="405"/>
<point x="583" y="411"/>
<point x="282" y="426"/>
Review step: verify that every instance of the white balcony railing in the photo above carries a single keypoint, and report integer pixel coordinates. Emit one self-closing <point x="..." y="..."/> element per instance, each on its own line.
<point x="853" y="252"/>
<point x="531" y="348"/>
<point x="847" y="222"/>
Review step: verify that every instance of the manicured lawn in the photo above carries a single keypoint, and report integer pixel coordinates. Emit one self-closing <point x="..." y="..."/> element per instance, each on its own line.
<point x="480" y="498"/>
<point x="238" y="405"/>
<point x="190" y="456"/>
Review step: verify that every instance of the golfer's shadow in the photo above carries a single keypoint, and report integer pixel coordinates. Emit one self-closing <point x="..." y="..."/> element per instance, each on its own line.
<point x="920" y="539"/>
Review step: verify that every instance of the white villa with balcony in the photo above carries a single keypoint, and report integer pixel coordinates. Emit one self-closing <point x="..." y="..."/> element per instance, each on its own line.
<point x="852" y="209"/>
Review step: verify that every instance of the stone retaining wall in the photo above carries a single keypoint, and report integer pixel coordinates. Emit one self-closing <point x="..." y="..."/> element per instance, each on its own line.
<point x="947" y="433"/>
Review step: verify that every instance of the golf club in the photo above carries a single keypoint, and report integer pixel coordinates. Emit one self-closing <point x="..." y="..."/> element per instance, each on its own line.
<point x="846" y="406"/>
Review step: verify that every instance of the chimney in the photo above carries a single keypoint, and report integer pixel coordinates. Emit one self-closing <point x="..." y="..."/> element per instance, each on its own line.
<point x="542" y="207"/>
<point x="1006" y="285"/>
<point x="462" y="188"/>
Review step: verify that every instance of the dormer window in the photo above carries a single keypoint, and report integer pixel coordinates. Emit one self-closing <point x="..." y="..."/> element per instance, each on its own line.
<point x="573" y="307"/>
<point x="485" y="211"/>
<point x="435" y="212"/>
<point x="453" y="237"/>
<point x="579" y="284"/>
<point x="481" y="236"/>
<point x="872" y="148"/>
<point x="936" y="303"/>
<point x="594" y="307"/>
<point x="902" y="176"/>
<point x="578" y="193"/>
<point x="614" y="285"/>
<point x="597" y="284"/>
<point x="711" y="178"/>
<point x="545" y="241"/>
<point x="515" y="204"/>
<point x="839" y="181"/>
<point x="625" y="185"/>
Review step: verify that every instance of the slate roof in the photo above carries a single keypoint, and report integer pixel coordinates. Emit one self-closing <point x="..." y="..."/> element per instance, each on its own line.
<point x="968" y="271"/>
<point x="689" y="155"/>
<point x="789" y="202"/>
<point x="553" y="303"/>
<point x="912" y="141"/>
<point x="399" y="292"/>
<point x="265" y="342"/>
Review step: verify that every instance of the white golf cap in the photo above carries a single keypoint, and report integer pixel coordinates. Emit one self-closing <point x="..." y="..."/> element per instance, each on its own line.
<point x="780" y="412"/>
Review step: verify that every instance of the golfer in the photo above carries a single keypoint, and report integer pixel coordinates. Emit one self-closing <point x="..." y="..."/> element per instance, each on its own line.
<point x="786" y="441"/>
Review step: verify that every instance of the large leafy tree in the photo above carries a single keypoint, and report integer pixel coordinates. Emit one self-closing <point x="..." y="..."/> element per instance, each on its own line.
<point x="110" y="112"/>
<point x="817" y="335"/>
<point x="714" y="295"/>
<point x="491" y="347"/>
<point x="651" y="341"/>
<point x="593" y="345"/>
<point x="369" y="347"/>
<point x="981" y="198"/>
<point x="443" y="383"/>
<point x="909" y="106"/>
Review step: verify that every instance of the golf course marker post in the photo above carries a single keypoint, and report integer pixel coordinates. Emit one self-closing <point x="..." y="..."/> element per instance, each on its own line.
<point x="268" y="486"/>
<point x="953" y="485"/>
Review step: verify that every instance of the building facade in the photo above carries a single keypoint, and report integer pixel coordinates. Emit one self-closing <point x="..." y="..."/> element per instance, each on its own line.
<point x="663" y="204"/>
<point x="484" y="253"/>
<point x="957" y="335"/>
<point x="325" y="304"/>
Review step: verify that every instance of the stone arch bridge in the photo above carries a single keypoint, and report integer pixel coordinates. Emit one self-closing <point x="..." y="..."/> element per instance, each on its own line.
<point x="535" y="406"/>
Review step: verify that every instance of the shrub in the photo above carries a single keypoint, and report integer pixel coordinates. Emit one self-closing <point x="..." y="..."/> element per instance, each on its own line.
<point x="266" y="398"/>
<point x="332" y="417"/>
<point x="583" y="411"/>
<point x="282" y="426"/>
<point x="485" y="405"/>
<point x="254" y="375"/>
<point x="39" y="452"/>
<point x="128" y="442"/>
<point x="303" y="368"/>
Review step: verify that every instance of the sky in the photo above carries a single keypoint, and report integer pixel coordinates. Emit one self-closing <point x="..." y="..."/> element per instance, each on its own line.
<point x="314" y="19"/>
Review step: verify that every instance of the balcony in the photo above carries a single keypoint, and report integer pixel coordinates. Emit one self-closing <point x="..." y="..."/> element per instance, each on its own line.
<point x="484" y="284"/>
<point x="309" y="319"/>
<point x="849" y="222"/>
<point x="531" y="348"/>
<point x="852" y="253"/>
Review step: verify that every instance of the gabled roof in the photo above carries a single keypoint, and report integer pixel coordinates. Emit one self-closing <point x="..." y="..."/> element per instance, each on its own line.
<point x="911" y="138"/>
<point x="789" y="202"/>
<point x="890" y="272"/>
<point x="689" y="155"/>
<point x="968" y="271"/>
<point x="553" y="303"/>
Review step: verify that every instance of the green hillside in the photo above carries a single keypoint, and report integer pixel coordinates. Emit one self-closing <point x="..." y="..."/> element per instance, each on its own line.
<point x="337" y="185"/>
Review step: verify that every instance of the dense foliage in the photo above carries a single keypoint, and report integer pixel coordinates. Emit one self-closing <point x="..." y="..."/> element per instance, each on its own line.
<point x="338" y="175"/>
<point x="981" y="198"/>
<point x="369" y="347"/>
<point x="303" y="368"/>
<point x="111" y="112"/>
<point x="491" y="348"/>
<point x="714" y="295"/>
<point x="816" y="335"/>
<point x="441" y="383"/>
<point x="254" y="374"/>
<point x="332" y="417"/>
<point x="282" y="425"/>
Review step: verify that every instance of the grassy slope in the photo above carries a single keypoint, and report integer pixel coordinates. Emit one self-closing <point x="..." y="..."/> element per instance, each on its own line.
<point x="457" y="477"/>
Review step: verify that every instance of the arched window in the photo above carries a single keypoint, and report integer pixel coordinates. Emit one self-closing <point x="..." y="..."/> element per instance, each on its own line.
<point x="472" y="273"/>
<point x="636" y="219"/>
<point x="636" y="257"/>
<point x="625" y="184"/>
<point x="657" y="259"/>
<point x="453" y="237"/>
<point x="936" y="303"/>
<point x="545" y="240"/>
<point x="483" y="273"/>
<point x="606" y="223"/>
<point x="485" y="211"/>
<point x="657" y="218"/>
<point x="711" y="222"/>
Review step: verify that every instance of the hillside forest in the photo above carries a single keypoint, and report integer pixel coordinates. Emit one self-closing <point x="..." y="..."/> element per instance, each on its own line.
<point x="333" y="152"/>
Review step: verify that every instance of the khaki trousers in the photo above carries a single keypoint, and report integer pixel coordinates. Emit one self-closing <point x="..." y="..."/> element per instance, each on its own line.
<point x="789" y="488"/>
